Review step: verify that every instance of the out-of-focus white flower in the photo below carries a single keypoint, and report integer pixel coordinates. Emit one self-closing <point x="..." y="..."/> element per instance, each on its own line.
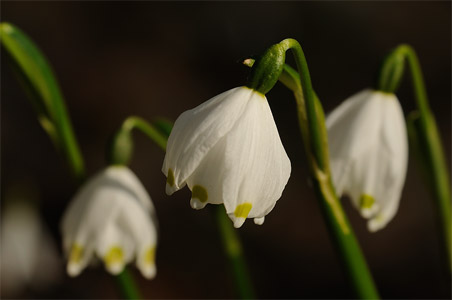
<point x="369" y="153"/>
<point x="29" y="257"/>
<point x="111" y="216"/>
<point x="228" y="150"/>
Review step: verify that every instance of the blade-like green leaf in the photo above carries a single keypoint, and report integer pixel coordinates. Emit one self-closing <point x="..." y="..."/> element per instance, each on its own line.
<point x="40" y="85"/>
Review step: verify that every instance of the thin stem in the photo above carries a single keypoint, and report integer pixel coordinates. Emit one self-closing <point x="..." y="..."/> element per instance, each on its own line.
<point x="427" y="136"/>
<point x="234" y="253"/>
<point x="120" y="150"/>
<point x="127" y="285"/>
<point x="316" y="143"/>
<point x="349" y="251"/>
<point x="145" y="127"/>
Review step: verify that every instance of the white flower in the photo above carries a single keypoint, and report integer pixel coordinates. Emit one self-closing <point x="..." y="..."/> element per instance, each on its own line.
<point x="111" y="216"/>
<point x="228" y="151"/>
<point x="29" y="256"/>
<point x="369" y="154"/>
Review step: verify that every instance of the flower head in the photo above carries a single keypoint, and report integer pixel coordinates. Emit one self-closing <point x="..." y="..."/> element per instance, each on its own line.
<point x="111" y="216"/>
<point x="227" y="150"/>
<point x="29" y="256"/>
<point x="369" y="154"/>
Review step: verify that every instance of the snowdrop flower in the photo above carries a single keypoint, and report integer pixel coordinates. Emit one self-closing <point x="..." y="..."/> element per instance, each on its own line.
<point x="369" y="154"/>
<point x="111" y="216"/>
<point x="29" y="256"/>
<point x="228" y="150"/>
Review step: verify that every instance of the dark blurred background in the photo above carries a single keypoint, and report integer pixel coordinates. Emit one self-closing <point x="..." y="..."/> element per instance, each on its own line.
<point x="115" y="59"/>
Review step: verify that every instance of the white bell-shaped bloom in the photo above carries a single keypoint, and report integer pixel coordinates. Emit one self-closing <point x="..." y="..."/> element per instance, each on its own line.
<point x="369" y="153"/>
<point x="228" y="150"/>
<point x="111" y="217"/>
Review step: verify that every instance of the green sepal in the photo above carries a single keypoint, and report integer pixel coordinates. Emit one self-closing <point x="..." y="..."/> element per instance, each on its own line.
<point x="391" y="71"/>
<point x="120" y="150"/>
<point x="267" y="68"/>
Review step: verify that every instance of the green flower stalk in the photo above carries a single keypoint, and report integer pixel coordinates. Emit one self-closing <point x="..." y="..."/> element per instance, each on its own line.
<point x="315" y="138"/>
<point x="424" y="137"/>
<point x="121" y="145"/>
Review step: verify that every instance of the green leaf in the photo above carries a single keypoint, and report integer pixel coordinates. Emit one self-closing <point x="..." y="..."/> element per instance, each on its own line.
<point x="37" y="78"/>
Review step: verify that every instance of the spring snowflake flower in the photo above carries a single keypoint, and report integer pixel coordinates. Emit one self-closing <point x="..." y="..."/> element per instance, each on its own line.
<point x="369" y="154"/>
<point x="112" y="216"/>
<point x="29" y="256"/>
<point x="228" y="150"/>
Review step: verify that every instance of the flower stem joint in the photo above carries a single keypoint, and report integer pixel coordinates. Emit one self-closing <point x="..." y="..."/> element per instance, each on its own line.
<point x="267" y="69"/>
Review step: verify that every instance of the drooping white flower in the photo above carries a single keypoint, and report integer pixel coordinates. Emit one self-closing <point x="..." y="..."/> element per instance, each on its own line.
<point x="112" y="217"/>
<point x="29" y="256"/>
<point x="369" y="154"/>
<point x="228" y="151"/>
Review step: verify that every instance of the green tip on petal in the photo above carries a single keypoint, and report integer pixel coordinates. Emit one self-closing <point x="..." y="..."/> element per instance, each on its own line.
<point x="74" y="266"/>
<point x="114" y="260"/>
<point x="242" y="210"/>
<point x="170" y="178"/>
<point x="366" y="201"/>
<point x="199" y="193"/>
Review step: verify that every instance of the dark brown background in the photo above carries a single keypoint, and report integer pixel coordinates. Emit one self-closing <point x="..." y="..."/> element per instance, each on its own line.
<point x="114" y="59"/>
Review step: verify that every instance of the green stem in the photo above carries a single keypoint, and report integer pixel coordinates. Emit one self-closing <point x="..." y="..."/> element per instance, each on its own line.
<point x="349" y="251"/>
<point x="426" y="133"/>
<point x="120" y="149"/>
<point x="234" y="253"/>
<point x="316" y="139"/>
<point x="126" y="283"/>
<point x="145" y="127"/>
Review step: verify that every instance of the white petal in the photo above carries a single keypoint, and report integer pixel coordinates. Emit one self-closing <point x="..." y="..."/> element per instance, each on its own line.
<point x="354" y="125"/>
<point x="146" y="261"/>
<point x="247" y="169"/>
<point x="115" y="247"/>
<point x="79" y="256"/>
<point x="112" y="215"/>
<point x="123" y="177"/>
<point x="197" y="130"/>
<point x="139" y="227"/>
<point x="368" y="151"/>
<point x="256" y="164"/>
<point x="259" y="221"/>
<point x="206" y="182"/>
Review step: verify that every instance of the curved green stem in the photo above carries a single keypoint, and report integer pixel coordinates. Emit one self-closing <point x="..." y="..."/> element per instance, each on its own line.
<point x="349" y="251"/>
<point x="40" y="84"/>
<point x="316" y="138"/>
<point x="121" y="147"/>
<point x="145" y="127"/>
<point x="424" y="135"/>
